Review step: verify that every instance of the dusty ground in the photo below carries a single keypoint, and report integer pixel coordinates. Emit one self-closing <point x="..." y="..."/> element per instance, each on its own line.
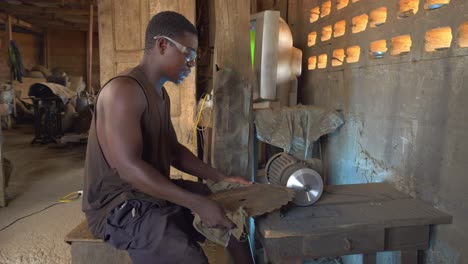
<point x="41" y="175"/>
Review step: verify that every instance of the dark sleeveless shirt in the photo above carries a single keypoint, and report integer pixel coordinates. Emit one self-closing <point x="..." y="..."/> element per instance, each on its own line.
<point x="104" y="189"/>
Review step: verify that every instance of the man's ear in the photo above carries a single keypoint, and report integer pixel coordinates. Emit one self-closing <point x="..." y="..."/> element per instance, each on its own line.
<point x="161" y="45"/>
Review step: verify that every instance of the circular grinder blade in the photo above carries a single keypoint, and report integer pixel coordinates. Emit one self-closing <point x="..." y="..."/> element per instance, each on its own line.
<point x="308" y="186"/>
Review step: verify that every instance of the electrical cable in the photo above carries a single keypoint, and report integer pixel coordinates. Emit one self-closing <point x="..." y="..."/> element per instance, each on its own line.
<point x="65" y="199"/>
<point x="198" y="120"/>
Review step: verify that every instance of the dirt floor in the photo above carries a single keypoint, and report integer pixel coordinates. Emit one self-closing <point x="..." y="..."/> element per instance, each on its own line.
<point x="41" y="175"/>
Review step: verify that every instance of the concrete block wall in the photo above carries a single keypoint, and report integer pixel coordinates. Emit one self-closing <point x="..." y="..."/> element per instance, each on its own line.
<point x="406" y="115"/>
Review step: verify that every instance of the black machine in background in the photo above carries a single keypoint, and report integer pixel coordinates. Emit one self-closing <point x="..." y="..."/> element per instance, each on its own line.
<point x="48" y="109"/>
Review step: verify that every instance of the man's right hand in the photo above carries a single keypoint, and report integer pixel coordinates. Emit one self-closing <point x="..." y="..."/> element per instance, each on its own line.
<point x="212" y="214"/>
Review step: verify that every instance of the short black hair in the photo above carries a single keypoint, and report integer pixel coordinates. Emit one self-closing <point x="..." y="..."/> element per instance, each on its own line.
<point x="169" y="24"/>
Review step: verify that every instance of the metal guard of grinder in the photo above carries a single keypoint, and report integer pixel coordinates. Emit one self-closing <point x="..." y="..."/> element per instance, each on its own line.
<point x="286" y="170"/>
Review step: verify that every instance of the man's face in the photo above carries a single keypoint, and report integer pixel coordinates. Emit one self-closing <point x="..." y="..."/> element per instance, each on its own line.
<point x="178" y="64"/>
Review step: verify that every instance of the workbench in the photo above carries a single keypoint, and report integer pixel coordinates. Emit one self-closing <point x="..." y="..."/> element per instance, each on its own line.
<point x="351" y="219"/>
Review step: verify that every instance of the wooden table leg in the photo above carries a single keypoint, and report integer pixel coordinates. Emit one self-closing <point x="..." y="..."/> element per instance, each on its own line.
<point x="409" y="257"/>
<point x="370" y="258"/>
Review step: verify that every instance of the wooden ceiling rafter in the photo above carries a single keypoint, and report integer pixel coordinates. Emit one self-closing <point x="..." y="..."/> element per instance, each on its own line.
<point x="58" y="14"/>
<point x="20" y="23"/>
<point x="69" y="4"/>
<point x="35" y="9"/>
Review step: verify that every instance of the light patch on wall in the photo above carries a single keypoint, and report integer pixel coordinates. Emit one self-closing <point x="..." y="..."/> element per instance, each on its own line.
<point x="338" y="57"/>
<point x="326" y="33"/>
<point x="435" y="4"/>
<point x="463" y="35"/>
<point x="340" y="28"/>
<point x="326" y="9"/>
<point x="408" y="8"/>
<point x="311" y="39"/>
<point x="314" y="14"/>
<point x="438" y="39"/>
<point x="378" y="49"/>
<point x="359" y="23"/>
<point x="340" y="4"/>
<point x="322" y="61"/>
<point x="353" y="54"/>
<point x="312" y="63"/>
<point x="378" y="17"/>
<point x="401" y="45"/>
<point x="354" y="1"/>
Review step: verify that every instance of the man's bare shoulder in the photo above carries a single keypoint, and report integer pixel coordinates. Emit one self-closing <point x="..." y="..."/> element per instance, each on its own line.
<point x="122" y="92"/>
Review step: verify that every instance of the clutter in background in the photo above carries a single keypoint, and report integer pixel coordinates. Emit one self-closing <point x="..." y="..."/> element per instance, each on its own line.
<point x="54" y="102"/>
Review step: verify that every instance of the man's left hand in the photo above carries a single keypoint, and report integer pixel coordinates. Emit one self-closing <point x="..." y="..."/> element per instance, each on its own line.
<point x="237" y="180"/>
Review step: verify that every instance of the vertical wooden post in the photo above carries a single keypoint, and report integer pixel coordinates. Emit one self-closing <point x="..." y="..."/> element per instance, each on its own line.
<point x="253" y="6"/>
<point x="9" y="36"/>
<point x="9" y="33"/>
<point x="409" y="256"/>
<point x="2" y="176"/>
<point x="9" y="30"/>
<point x="46" y="48"/>
<point x="90" y="47"/>
<point x="232" y="102"/>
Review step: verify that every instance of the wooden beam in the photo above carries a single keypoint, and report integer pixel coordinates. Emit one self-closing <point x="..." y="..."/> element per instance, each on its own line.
<point x="46" y="46"/>
<point x="22" y="9"/>
<point x="50" y="16"/>
<point x="253" y="6"/>
<point x="8" y="27"/>
<point x="90" y="48"/>
<point x="19" y="12"/>
<point x="9" y="34"/>
<point x="38" y="22"/>
<point x="232" y="133"/>
<point x="45" y="23"/>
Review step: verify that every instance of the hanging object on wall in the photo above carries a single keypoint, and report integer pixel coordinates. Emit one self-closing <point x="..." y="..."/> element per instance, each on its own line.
<point x="16" y="63"/>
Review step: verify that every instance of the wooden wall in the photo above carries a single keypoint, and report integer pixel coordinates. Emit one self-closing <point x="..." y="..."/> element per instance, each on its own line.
<point x="122" y="38"/>
<point x="29" y="46"/>
<point x="67" y="50"/>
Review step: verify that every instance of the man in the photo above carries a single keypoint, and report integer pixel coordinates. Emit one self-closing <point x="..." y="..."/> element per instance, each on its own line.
<point x="129" y="200"/>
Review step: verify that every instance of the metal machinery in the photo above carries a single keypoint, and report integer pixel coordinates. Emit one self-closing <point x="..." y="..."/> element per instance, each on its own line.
<point x="284" y="169"/>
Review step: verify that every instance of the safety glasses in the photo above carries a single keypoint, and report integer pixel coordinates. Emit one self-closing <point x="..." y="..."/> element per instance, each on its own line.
<point x="189" y="53"/>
